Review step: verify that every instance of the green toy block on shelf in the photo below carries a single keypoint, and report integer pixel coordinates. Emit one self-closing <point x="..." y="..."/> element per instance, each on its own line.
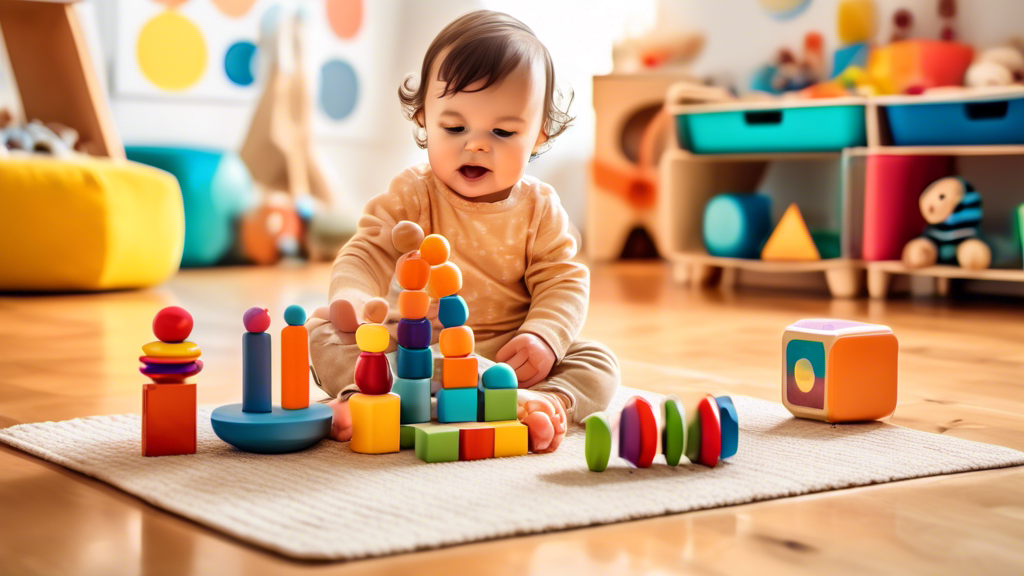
<point x="437" y="443"/>
<point x="500" y="404"/>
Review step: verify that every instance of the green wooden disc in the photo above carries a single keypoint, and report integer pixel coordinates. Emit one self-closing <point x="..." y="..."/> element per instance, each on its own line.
<point x="673" y="435"/>
<point x="693" y="438"/>
<point x="598" y="447"/>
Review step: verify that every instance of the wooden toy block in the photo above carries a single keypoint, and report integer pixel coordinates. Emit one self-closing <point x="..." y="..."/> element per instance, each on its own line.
<point x="839" y="370"/>
<point x="791" y="240"/>
<point x="376" y="420"/>
<point x="168" y="419"/>
<point x="445" y="279"/>
<point x="693" y="430"/>
<point x="736" y="225"/>
<point x="172" y="349"/>
<point x="406" y="437"/>
<point x="256" y="363"/>
<point x="373" y="337"/>
<point x="730" y="424"/>
<point x="648" y="433"/>
<point x="415" y="395"/>
<point x="373" y="373"/>
<point x="294" y="368"/>
<point x="456" y="405"/>
<point x="414" y="363"/>
<point x="598" y="445"/>
<point x="452" y="311"/>
<point x="460" y="372"/>
<point x="413" y="303"/>
<point x="710" y="432"/>
<point x="413" y="272"/>
<point x="629" y="432"/>
<point x="500" y="404"/>
<point x="511" y="438"/>
<point x="414" y="333"/>
<point x="435" y="249"/>
<point x="499" y="376"/>
<point x="673" y="434"/>
<point x="456" y="341"/>
<point x="476" y="443"/>
<point x="435" y="443"/>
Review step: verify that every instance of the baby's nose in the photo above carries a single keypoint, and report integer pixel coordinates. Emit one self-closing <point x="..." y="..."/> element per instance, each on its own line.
<point x="477" y="145"/>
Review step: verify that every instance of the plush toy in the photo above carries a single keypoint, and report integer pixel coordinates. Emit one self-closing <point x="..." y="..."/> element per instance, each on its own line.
<point x="952" y="208"/>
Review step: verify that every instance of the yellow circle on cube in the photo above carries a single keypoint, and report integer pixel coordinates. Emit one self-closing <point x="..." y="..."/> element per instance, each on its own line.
<point x="158" y="349"/>
<point x="372" y="337"/>
<point x="803" y="372"/>
<point x="435" y="249"/>
<point x="171" y="51"/>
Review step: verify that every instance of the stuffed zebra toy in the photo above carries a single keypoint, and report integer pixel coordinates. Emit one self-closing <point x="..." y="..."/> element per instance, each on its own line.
<point x="952" y="208"/>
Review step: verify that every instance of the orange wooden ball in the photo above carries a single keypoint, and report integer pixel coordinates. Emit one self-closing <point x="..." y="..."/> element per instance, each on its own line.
<point x="435" y="249"/>
<point x="412" y="271"/>
<point x="456" y="341"/>
<point x="445" y="279"/>
<point x="413" y="304"/>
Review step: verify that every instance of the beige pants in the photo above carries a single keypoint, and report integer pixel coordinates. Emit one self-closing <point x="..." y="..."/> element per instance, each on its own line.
<point x="588" y="374"/>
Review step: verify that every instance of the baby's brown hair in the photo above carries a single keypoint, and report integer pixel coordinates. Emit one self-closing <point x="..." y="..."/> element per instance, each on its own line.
<point x="484" y="45"/>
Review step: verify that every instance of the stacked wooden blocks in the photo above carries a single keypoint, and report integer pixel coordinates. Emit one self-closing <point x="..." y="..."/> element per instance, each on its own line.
<point x="706" y="435"/>
<point x="376" y="412"/>
<point x="415" y="361"/>
<point x="168" y="403"/>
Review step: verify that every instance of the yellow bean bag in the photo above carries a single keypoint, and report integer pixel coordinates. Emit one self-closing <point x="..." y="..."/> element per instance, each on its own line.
<point x="86" y="223"/>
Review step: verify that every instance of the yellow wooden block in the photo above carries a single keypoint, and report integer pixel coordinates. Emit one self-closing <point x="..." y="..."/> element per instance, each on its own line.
<point x="157" y="349"/>
<point x="790" y="240"/>
<point x="372" y="337"/>
<point x="511" y="438"/>
<point x="376" y="423"/>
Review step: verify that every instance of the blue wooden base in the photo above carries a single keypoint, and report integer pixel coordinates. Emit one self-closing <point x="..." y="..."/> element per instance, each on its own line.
<point x="275" y="432"/>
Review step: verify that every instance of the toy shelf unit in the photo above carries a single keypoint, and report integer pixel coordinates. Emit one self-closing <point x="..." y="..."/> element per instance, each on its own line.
<point x="730" y="148"/>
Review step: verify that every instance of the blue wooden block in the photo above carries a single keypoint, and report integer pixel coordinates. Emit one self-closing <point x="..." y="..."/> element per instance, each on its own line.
<point x="737" y="225"/>
<point x="414" y="333"/>
<point x="456" y="405"/>
<point x="452" y="311"/>
<point x="256" y="372"/>
<point x="499" y="376"/>
<point x="415" y="363"/>
<point x="730" y="424"/>
<point x="415" y="395"/>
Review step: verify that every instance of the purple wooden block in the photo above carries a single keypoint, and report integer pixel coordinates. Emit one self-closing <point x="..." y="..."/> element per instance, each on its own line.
<point x="414" y="333"/>
<point x="629" y="433"/>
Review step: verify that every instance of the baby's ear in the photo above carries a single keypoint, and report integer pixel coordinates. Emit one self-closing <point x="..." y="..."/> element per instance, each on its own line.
<point x="541" y="138"/>
<point x="420" y="118"/>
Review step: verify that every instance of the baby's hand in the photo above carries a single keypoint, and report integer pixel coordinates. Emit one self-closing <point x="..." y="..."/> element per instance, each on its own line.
<point x="530" y="356"/>
<point x="341" y="423"/>
<point x="344" y="306"/>
<point x="544" y="415"/>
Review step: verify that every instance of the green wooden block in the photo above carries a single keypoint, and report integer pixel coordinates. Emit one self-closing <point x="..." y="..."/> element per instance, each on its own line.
<point x="693" y="438"/>
<point x="500" y="404"/>
<point x="598" y="446"/>
<point x="437" y="443"/>
<point x="1019" y="226"/>
<point x="673" y="435"/>
<point x="406" y="438"/>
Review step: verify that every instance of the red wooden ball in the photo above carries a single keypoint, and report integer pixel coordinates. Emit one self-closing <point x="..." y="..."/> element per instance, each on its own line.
<point x="172" y="324"/>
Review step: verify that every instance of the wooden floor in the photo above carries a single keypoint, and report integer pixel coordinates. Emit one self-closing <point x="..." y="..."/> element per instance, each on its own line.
<point x="961" y="373"/>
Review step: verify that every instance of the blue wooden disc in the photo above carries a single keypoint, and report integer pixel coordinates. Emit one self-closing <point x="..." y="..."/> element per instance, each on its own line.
<point x="274" y="432"/>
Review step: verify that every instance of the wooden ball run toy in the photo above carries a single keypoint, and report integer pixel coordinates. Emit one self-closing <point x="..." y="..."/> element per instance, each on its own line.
<point x="255" y="424"/>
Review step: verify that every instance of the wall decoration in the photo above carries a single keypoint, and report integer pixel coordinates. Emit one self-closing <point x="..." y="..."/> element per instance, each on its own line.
<point x="784" y="9"/>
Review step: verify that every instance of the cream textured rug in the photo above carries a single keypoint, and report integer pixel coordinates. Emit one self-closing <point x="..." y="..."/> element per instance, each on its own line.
<point x="329" y="503"/>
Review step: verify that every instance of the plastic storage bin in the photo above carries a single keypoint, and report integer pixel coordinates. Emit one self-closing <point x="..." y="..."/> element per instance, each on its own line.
<point x="949" y="120"/>
<point x="804" y="126"/>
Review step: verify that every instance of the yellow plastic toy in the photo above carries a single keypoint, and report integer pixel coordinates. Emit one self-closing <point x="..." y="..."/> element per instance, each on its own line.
<point x="790" y="240"/>
<point x="376" y="420"/>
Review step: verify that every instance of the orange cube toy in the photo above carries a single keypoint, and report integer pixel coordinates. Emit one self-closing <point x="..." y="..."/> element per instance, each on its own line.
<point x="459" y="372"/>
<point x="435" y="249"/>
<point x="168" y="419"/>
<point x="413" y="304"/>
<point x="445" y="280"/>
<point x="412" y="271"/>
<point x="456" y="341"/>
<point x="839" y="370"/>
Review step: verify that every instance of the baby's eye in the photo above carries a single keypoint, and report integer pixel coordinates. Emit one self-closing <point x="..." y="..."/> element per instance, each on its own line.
<point x="502" y="133"/>
<point x="454" y="129"/>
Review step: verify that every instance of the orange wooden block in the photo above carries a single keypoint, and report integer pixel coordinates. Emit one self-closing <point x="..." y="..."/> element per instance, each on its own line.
<point x="476" y="443"/>
<point x="456" y="341"/>
<point x="445" y="279"/>
<point x="413" y="304"/>
<point x="459" y="372"/>
<point x="168" y="419"/>
<point x="435" y="249"/>
<point x="412" y="271"/>
<point x="294" y="368"/>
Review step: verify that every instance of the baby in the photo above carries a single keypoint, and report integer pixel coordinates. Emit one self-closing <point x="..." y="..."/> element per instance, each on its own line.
<point x="484" y="105"/>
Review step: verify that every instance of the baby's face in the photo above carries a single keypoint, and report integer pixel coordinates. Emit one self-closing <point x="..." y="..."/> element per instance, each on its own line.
<point x="479" y="143"/>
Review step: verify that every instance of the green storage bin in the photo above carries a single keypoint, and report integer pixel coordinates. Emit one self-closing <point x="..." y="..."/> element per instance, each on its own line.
<point x="787" y="128"/>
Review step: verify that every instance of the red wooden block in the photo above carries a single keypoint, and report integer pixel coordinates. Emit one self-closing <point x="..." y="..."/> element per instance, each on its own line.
<point x="710" y="432"/>
<point x="373" y="373"/>
<point x="168" y="419"/>
<point x="648" y="433"/>
<point x="476" y="443"/>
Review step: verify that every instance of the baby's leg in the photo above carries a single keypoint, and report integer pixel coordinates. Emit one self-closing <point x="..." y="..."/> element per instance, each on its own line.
<point x="589" y="374"/>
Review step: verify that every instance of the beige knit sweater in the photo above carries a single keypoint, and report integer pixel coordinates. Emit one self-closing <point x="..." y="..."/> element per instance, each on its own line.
<point x="516" y="255"/>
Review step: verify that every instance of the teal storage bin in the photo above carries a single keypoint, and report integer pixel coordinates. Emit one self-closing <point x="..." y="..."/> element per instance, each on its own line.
<point x="787" y="128"/>
<point x="989" y="119"/>
<point x="216" y="189"/>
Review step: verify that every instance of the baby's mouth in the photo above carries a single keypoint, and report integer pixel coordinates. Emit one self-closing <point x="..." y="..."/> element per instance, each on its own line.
<point x="472" y="172"/>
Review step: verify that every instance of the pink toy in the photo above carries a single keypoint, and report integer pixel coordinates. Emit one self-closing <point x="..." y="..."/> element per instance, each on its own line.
<point x="256" y="319"/>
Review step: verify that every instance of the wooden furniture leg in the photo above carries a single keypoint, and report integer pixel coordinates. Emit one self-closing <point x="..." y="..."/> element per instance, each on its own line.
<point x="844" y="282"/>
<point x="878" y="283"/>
